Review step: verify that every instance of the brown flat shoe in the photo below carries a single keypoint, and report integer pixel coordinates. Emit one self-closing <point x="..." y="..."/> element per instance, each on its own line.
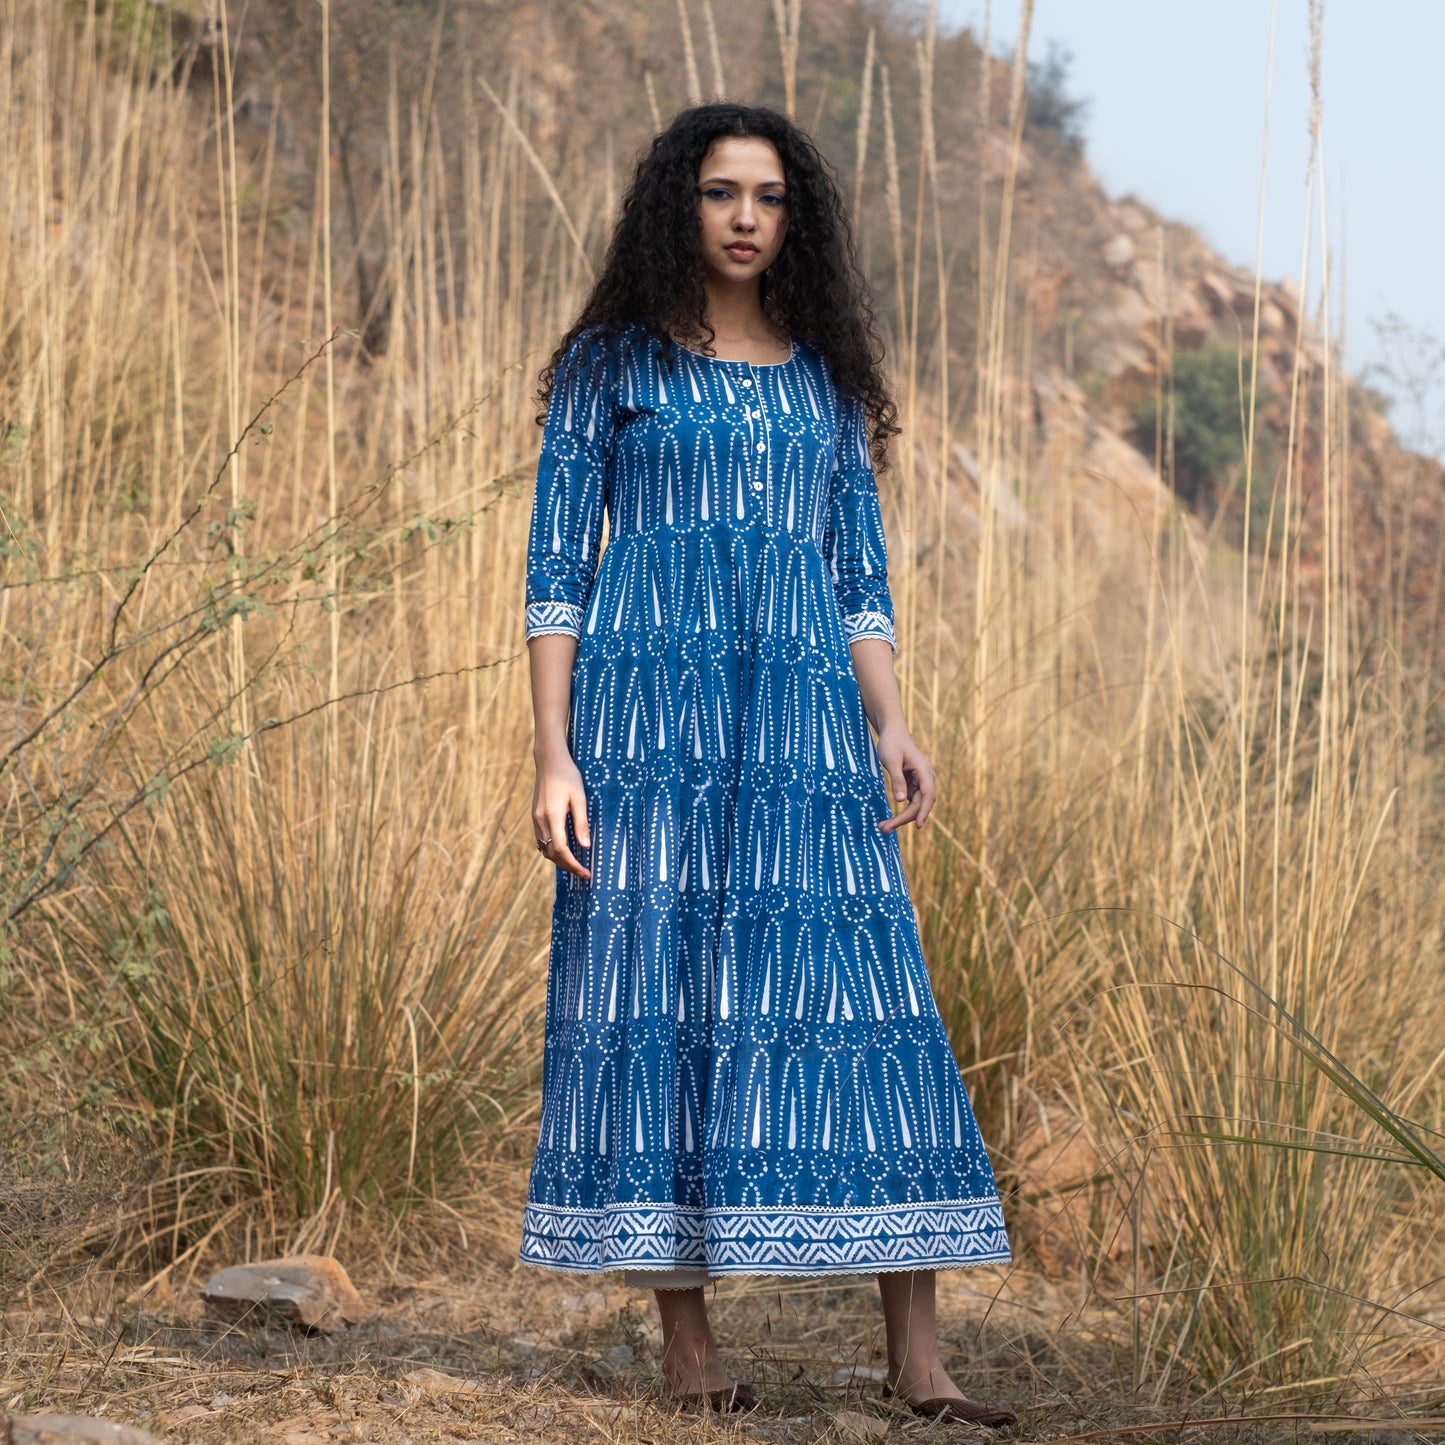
<point x="945" y="1407"/>
<point x="731" y="1399"/>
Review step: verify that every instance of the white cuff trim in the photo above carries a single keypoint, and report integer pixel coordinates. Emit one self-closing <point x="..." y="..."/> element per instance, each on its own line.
<point x="870" y="624"/>
<point x="549" y="616"/>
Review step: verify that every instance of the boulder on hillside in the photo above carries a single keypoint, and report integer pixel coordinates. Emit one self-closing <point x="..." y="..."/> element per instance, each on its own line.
<point x="1119" y="251"/>
<point x="1219" y="292"/>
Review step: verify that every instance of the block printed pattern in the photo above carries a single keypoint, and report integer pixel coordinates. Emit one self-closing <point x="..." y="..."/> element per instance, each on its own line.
<point x="744" y="1066"/>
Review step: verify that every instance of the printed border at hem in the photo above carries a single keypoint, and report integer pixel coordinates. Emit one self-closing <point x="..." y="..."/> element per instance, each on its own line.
<point x="785" y="1241"/>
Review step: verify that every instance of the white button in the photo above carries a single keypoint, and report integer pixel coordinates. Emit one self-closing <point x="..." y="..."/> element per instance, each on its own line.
<point x="757" y="484"/>
<point x="762" y="446"/>
<point x="756" y="412"/>
<point x="747" y="381"/>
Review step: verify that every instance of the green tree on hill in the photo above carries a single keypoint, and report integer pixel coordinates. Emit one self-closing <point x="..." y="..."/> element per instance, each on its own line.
<point x="1207" y="391"/>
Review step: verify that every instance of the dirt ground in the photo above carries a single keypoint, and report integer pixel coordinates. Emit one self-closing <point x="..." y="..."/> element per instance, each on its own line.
<point x="511" y="1354"/>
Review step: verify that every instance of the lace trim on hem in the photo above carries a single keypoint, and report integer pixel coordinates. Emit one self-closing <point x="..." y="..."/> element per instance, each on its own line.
<point x="736" y="1272"/>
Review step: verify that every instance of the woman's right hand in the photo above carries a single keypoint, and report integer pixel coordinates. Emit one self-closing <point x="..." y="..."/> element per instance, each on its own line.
<point x="557" y="793"/>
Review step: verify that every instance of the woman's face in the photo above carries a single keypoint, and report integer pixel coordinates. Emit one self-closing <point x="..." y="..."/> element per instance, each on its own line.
<point x="742" y="204"/>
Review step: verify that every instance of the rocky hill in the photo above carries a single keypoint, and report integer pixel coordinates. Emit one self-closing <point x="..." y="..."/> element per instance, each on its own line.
<point x="1131" y="337"/>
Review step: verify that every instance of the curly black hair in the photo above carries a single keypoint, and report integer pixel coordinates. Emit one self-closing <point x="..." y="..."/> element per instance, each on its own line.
<point x="653" y="271"/>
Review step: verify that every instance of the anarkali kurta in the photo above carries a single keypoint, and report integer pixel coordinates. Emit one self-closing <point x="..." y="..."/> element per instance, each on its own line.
<point x="744" y="1068"/>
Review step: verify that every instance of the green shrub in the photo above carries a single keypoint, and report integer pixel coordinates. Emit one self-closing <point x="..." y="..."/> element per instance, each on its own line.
<point x="1051" y="110"/>
<point x="1204" y="414"/>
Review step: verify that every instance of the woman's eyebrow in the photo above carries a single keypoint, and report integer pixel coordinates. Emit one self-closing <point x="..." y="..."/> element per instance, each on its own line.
<point x="728" y="181"/>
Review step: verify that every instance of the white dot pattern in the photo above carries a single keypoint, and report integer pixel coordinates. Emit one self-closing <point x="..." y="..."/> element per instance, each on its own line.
<point x="744" y="1066"/>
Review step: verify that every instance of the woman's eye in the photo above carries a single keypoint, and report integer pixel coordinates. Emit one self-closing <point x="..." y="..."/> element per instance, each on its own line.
<point x="715" y="192"/>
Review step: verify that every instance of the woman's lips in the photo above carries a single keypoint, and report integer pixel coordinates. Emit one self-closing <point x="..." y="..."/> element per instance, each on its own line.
<point x="742" y="251"/>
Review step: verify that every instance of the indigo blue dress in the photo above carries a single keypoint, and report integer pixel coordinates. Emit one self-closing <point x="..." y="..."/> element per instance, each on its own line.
<point x="744" y="1067"/>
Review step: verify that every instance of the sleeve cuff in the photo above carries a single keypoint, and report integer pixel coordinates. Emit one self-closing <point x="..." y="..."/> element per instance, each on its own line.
<point x="870" y="624"/>
<point x="543" y="617"/>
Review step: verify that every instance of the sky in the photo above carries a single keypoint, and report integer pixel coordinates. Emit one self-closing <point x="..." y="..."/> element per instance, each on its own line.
<point x="1177" y="93"/>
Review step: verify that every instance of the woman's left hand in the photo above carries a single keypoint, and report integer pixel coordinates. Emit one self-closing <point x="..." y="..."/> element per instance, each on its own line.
<point x="910" y="777"/>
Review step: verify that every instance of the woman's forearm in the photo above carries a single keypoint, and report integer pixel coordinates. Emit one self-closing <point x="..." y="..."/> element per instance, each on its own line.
<point x="552" y="655"/>
<point x="877" y="682"/>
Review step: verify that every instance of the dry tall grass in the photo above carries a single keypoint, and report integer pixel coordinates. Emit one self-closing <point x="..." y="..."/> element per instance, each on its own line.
<point x="266" y="868"/>
<point x="265" y="806"/>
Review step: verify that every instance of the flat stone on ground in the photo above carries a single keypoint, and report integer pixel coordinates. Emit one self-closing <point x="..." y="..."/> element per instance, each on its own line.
<point x="312" y="1290"/>
<point x="72" y="1430"/>
<point x="855" y="1425"/>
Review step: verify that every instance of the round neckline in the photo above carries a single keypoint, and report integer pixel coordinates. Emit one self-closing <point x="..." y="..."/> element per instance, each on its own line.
<point x="735" y="361"/>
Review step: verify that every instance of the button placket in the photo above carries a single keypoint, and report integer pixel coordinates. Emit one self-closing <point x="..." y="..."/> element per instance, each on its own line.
<point x="760" y="445"/>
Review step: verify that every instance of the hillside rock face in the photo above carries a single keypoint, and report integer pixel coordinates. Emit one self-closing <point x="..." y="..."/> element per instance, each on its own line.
<point x="1171" y="295"/>
<point x="1113" y="294"/>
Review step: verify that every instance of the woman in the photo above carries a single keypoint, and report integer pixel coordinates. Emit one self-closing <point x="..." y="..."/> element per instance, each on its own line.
<point x="745" y="1071"/>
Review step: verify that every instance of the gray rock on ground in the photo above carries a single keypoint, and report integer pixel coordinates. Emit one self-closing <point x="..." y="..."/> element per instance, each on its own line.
<point x="311" y="1290"/>
<point x="614" y="1361"/>
<point x="70" y="1430"/>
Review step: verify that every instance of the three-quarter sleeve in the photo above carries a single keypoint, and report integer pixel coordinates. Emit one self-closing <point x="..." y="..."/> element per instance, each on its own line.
<point x="854" y="546"/>
<point x="565" y="536"/>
